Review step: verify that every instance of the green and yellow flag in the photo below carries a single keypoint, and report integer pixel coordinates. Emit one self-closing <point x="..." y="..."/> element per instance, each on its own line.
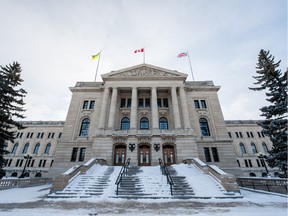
<point x="94" y="57"/>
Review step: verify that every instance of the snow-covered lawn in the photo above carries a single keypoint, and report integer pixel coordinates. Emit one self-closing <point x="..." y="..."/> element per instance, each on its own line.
<point x="31" y="202"/>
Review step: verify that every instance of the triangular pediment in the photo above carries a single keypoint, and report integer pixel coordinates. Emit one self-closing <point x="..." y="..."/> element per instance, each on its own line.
<point x="144" y="71"/>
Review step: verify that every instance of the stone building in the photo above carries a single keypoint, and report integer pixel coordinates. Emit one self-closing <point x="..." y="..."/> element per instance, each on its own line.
<point x="144" y="113"/>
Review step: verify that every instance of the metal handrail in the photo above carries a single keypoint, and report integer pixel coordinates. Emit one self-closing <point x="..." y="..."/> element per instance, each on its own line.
<point x="123" y="171"/>
<point x="165" y="171"/>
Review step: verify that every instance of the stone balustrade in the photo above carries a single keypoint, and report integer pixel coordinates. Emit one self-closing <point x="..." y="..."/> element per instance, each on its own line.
<point x="24" y="182"/>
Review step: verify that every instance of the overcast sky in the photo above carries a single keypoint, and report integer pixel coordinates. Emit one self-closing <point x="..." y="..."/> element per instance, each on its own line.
<point x="53" y="40"/>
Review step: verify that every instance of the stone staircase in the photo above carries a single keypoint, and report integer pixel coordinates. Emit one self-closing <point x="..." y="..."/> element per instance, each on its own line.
<point x="181" y="188"/>
<point x="86" y="185"/>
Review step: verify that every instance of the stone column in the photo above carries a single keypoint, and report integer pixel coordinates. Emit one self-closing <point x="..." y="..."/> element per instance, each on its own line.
<point x="184" y="109"/>
<point x="175" y="106"/>
<point x="113" y="108"/>
<point x="154" y="109"/>
<point x="133" y="114"/>
<point x="103" y="114"/>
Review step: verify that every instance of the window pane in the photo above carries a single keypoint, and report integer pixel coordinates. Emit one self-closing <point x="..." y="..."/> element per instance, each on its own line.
<point x="92" y="104"/>
<point x="74" y="154"/>
<point x="47" y="149"/>
<point x="207" y="154"/>
<point x="254" y="149"/>
<point x="204" y="127"/>
<point x="196" y="104"/>
<point x="265" y="148"/>
<point x="129" y="103"/>
<point x="215" y="154"/>
<point x="203" y="104"/>
<point x="25" y="150"/>
<point x="242" y="148"/>
<point x="163" y="124"/>
<point x="159" y="102"/>
<point x="82" y="154"/>
<point x="144" y="123"/>
<point x="165" y="102"/>
<point x="147" y="102"/>
<point x="84" y="127"/>
<point x="140" y="102"/>
<point x="125" y="124"/>
<point x="123" y="102"/>
<point x="85" y="105"/>
<point x="15" y="148"/>
<point x="36" y="149"/>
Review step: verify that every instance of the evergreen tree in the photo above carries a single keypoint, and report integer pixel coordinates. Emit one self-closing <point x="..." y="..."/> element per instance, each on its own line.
<point x="274" y="83"/>
<point x="11" y="106"/>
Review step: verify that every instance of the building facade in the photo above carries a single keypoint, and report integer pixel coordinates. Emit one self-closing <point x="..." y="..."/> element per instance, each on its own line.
<point x="145" y="113"/>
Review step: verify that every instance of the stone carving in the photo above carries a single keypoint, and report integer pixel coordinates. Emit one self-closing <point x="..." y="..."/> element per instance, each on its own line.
<point x="119" y="139"/>
<point x="168" y="139"/>
<point x="144" y="71"/>
<point x="144" y="139"/>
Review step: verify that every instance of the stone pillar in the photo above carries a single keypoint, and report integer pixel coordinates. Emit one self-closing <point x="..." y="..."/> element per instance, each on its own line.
<point x="154" y="109"/>
<point x="184" y="109"/>
<point x="113" y="108"/>
<point x="133" y="114"/>
<point x="103" y="114"/>
<point x="175" y="106"/>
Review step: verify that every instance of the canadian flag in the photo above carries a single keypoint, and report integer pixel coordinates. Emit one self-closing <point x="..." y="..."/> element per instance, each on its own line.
<point x="139" y="50"/>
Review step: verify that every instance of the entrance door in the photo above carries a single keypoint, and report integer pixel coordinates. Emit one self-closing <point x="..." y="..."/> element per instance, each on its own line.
<point x="144" y="155"/>
<point x="168" y="155"/>
<point x="119" y="155"/>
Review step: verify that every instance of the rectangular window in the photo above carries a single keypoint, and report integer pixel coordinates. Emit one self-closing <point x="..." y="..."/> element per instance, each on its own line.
<point x="44" y="163"/>
<point x="258" y="163"/>
<point x="129" y="103"/>
<point x="238" y="162"/>
<point x="229" y="134"/>
<point x="259" y="134"/>
<point x="123" y="103"/>
<point x="85" y="104"/>
<point x="40" y="163"/>
<point x="82" y="154"/>
<point x="248" y="135"/>
<point x="52" y="135"/>
<point x="51" y="163"/>
<point x="17" y="163"/>
<point x="240" y="134"/>
<point x="196" y="104"/>
<point x="49" y="135"/>
<point x="92" y="104"/>
<point x="32" y="164"/>
<point x="215" y="154"/>
<point x="246" y="163"/>
<point x="237" y="135"/>
<point x="251" y="133"/>
<point x="74" y="154"/>
<point x="21" y="162"/>
<point x="38" y="135"/>
<point x="207" y="154"/>
<point x="21" y="134"/>
<point x="203" y="104"/>
<point x="42" y="135"/>
<point x="141" y="103"/>
<point x="147" y="102"/>
<point x="28" y="163"/>
<point x="59" y="136"/>
<point x="28" y="135"/>
<point x="165" y="102"/>
<point x="31" y="135"/>
<point x="159" y="104"/>
<point x="250" y="163"/>
<point x="263" y="135"/>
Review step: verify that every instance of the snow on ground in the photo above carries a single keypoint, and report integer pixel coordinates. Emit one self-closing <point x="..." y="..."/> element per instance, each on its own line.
<point x="32" y="201"/>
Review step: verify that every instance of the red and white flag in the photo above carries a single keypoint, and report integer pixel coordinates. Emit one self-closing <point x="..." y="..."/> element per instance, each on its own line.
<point x="139" y="50"/>
<point x="183" y="54"/>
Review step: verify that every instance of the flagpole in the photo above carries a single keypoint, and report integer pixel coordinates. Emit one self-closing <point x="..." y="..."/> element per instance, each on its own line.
<point x="144" y="56"/>
<point x="190" y="65"/>
<point x="97" y="66"/>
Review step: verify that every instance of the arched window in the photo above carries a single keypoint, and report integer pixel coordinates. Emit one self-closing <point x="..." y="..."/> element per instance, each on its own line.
<point x="163" y="123"/>
<point x="204" y="127"/>
<point x="254" y="149"/>
<point x="265" y="148"/>
<point x="47" y="149"/>
<point x="84" y="127"/>
<point x="242" y="148"/>
<point x="15" y="148"/>
<point x="144" y="123"/>
<point x="36" y="149"/>
<point x="25" y="149"/>
<point x="125" y="123"/>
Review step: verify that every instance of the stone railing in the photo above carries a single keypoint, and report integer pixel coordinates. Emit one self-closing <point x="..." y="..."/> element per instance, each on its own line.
<point x="23" y="182"/>
<point x="228" y="181"/>
<point x="61" y="181"/>
<point x="275" y="185"/>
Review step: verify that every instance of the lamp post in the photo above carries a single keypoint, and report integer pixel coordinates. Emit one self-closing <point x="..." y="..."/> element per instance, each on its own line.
<point x="262" y="157"/>
<point x="27" y="157"/>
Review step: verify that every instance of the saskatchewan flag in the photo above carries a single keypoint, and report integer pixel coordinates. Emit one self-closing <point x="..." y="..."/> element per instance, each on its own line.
<point x="94" y="57"/>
